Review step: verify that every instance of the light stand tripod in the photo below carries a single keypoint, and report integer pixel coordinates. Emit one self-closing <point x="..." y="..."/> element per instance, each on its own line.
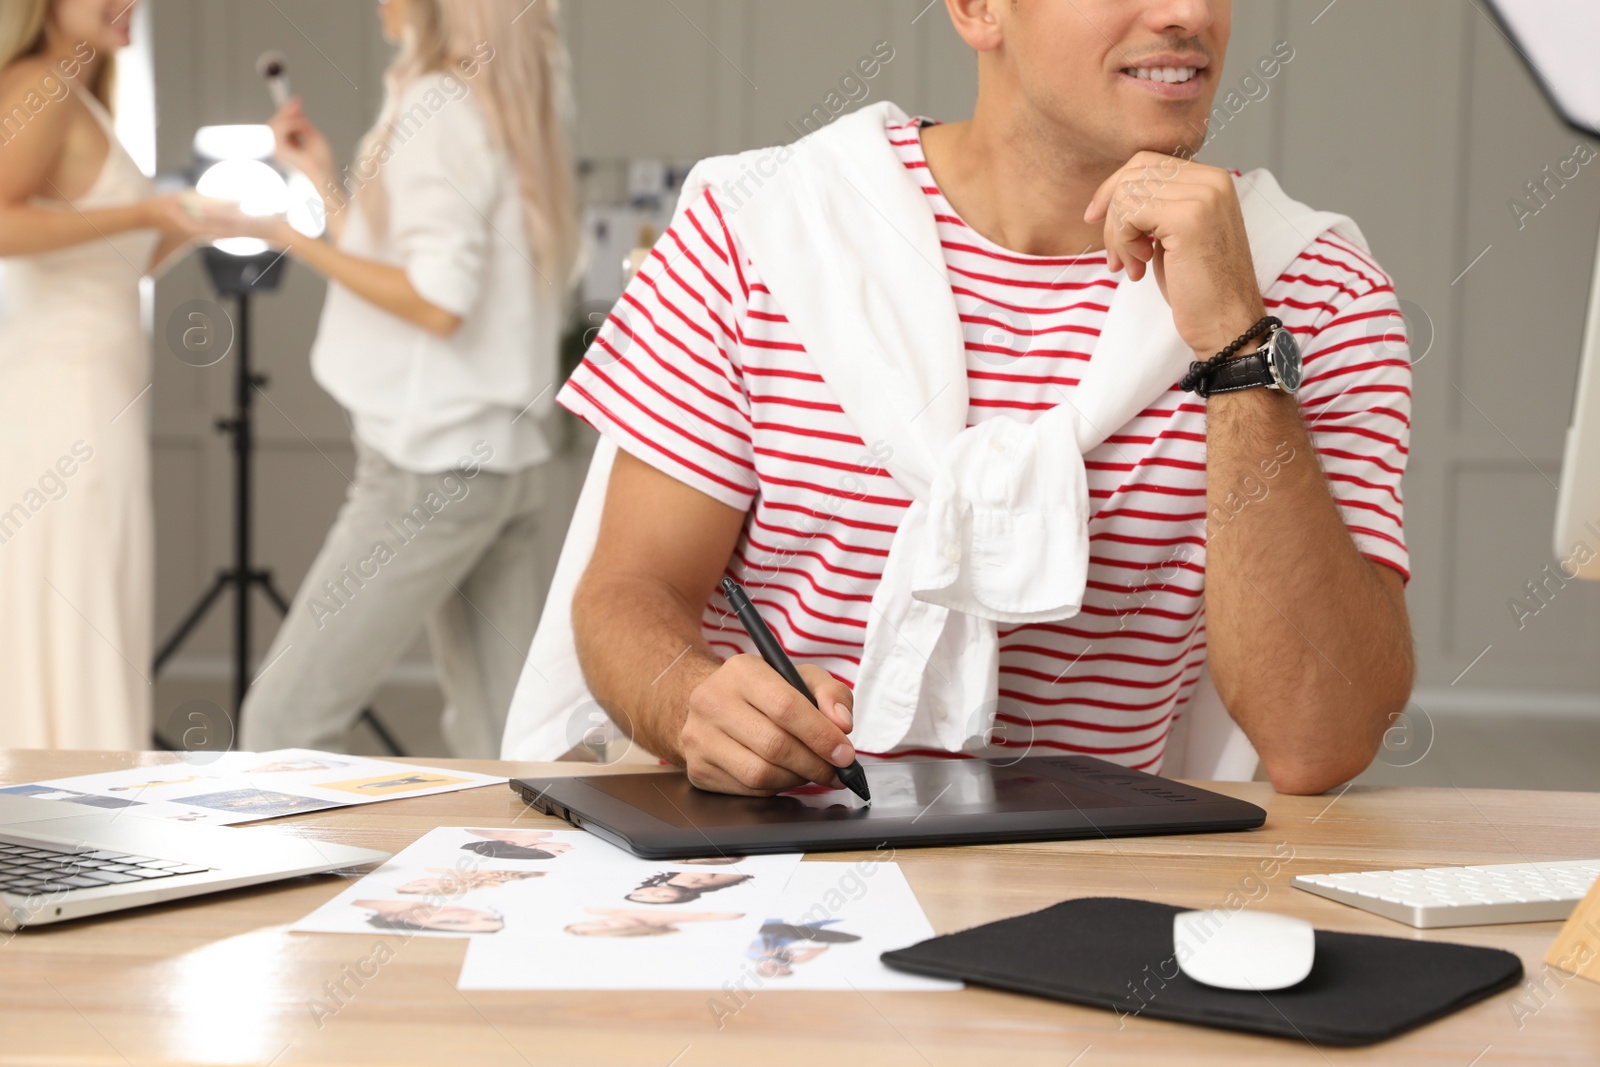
<point x="240" y="277"/>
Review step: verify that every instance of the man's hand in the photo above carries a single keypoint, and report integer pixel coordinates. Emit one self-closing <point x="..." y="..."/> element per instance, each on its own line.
<point x="1182" y="218"/>
<point x="750" y="732"/>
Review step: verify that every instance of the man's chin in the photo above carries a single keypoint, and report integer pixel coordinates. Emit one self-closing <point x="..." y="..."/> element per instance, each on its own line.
<point x="1168" y="137"/>
<point x="1182" y="142"/>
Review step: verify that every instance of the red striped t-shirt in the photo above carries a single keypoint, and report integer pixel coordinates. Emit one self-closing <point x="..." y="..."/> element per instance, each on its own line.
<point x="698" y="373"/>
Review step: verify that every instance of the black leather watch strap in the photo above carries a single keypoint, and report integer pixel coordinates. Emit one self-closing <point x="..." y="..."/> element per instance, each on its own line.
<point x="1199" y="380"/>
<point x="1244" y="372"/>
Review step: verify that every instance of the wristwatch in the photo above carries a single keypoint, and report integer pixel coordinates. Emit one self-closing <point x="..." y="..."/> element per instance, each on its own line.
<point x="1275" y="365"/>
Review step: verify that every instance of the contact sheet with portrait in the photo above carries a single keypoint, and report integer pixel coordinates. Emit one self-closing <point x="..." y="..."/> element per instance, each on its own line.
<point x="557" y="909"/>
<point x="227" y="788"/>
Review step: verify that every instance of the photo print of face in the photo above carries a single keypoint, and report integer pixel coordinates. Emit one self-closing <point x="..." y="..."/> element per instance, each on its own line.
<point x="453" y="883"/>
<point x="683" y="887"/>
<point x="637" y="922"/>
<point x="441" y="918"/>
<point x="516" y="844"/>
<point x="712" y="861"/>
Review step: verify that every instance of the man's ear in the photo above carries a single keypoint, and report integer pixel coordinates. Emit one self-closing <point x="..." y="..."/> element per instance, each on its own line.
<point x="977" y="21"/>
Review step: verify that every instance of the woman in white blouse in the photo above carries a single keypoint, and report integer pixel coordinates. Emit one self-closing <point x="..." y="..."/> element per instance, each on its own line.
<point x="454" y="236"/>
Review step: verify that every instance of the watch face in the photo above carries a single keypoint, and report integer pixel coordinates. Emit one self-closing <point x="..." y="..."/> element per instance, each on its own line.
<point x="1284" y="358"/>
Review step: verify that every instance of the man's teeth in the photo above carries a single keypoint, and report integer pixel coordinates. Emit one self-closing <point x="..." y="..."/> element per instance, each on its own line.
<point x="1171" y="75"/>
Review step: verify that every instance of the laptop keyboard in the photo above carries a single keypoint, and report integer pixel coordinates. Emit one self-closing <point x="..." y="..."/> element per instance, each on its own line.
<point x="35" y="869"/>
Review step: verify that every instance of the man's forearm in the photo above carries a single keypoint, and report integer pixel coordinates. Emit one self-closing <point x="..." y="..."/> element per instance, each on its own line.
<point x="643" y="653"/>
<point x="1309" y="649"/>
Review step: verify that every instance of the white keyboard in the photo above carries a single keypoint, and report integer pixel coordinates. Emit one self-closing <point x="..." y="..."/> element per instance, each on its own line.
<point x="1462" y="896"/>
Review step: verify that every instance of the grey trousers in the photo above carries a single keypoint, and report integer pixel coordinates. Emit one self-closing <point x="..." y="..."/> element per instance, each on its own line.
<point x="454" y="551"/>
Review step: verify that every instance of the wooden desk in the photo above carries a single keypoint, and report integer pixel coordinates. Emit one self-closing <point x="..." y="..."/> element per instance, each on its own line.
<point x="219" y="980"/>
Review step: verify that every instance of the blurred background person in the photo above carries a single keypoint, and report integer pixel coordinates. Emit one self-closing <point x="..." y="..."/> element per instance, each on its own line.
<point x="454" y="235"/>
<point x="79" y="228"/>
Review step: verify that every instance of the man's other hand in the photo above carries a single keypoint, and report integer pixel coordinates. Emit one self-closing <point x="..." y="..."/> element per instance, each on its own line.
<point x="1181" y="219"/>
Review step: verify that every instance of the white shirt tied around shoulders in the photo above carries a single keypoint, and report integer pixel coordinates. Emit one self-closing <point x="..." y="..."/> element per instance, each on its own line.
<point x="455" y="224"/>
<point x="997" y="531"/>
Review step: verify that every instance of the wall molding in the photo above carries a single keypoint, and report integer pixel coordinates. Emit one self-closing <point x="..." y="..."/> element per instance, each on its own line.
<point x="1508" y="704"/>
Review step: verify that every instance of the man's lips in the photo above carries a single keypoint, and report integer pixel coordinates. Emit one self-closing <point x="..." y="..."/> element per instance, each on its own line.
<point x="1175" y="90"/>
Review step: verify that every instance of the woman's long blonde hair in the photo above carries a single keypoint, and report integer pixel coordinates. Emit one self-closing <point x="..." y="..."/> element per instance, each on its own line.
<point x="521" y="84"/>
<point x="22" y="25"/>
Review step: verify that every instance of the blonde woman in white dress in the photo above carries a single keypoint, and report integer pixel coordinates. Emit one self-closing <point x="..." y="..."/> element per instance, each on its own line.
<point x="79" y="227"/>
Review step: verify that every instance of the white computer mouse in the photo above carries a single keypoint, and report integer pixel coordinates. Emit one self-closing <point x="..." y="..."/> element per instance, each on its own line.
<point x="1243" y="949"/>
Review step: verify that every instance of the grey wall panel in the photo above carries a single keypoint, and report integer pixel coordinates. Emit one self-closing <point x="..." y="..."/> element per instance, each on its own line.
<point x="946" y="70"/>
<point x="803" y="57"/>
<point x="647" y="77"/>
<point x="1249" y="136"/>
<point x="1510" y="593"/>
<point x="1523" y="304"/>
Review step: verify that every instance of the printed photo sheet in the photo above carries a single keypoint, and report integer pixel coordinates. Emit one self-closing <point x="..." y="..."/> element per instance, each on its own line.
<point x="494" y="883"/>
<point x="825" y="931"/>
<point x="236" y="787"/>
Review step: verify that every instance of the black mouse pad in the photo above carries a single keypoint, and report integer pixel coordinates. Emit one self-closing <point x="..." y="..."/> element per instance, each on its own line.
<point x="1113" y="953"/>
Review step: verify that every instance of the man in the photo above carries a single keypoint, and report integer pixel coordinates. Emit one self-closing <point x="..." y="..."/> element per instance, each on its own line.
<point x="1256" y="530"/>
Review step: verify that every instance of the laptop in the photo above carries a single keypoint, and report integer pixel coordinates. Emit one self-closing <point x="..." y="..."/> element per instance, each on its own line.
<point x="928" y="802"/>
<point x="60" y="860"/>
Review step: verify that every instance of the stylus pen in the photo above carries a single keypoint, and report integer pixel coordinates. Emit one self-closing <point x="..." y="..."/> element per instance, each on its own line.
<point x="852" y="776"/>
